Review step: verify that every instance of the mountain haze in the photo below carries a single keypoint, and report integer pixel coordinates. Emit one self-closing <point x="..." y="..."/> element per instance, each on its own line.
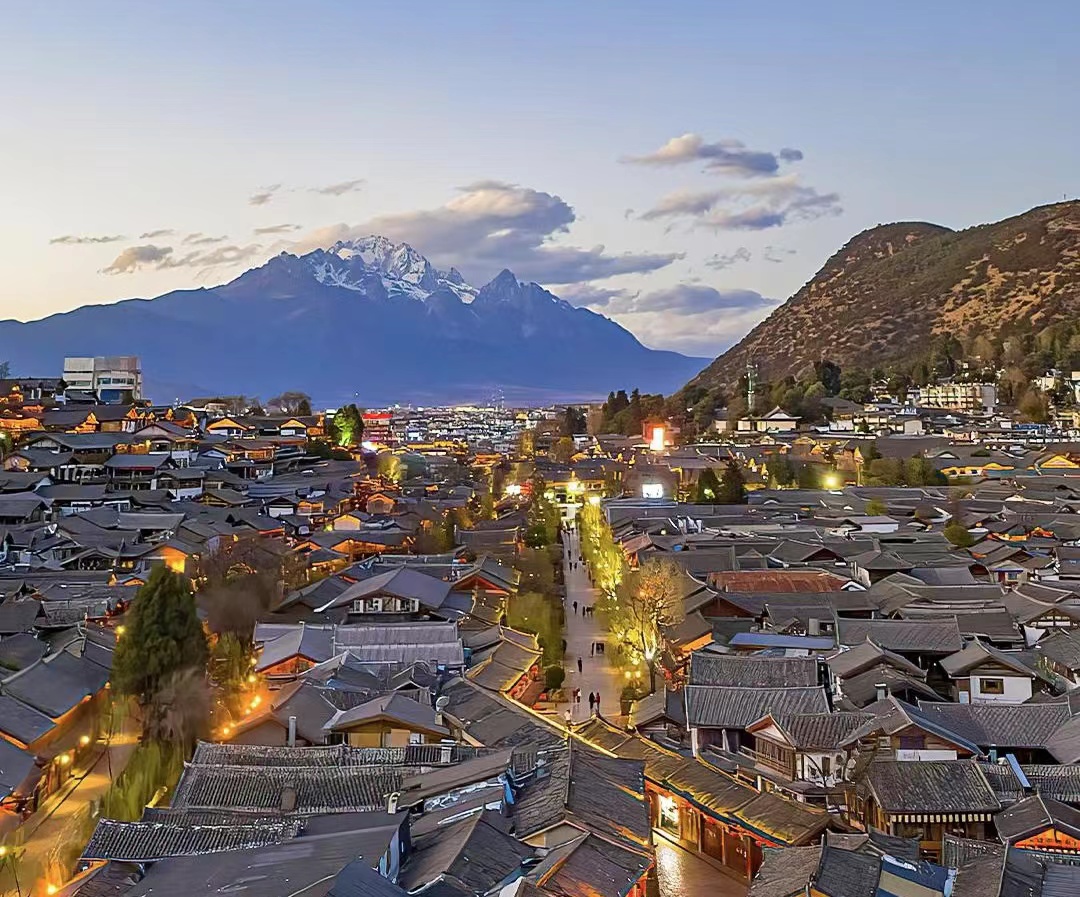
<point x="891" y="289"/>
<point x="366" y="320"/>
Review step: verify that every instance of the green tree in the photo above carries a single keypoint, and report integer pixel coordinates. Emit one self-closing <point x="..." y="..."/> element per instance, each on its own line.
<point x="347" y="426"/>
<point x="647" y="608"/>
<point x="162" y="640"/>
<point x="708" y="486"/>
<point x="876" y="508"/>
<point x="573" y="421"/>
<point x="732" y="485"/>
<point x="958" y="534"/>
<point x="781" y="471"/>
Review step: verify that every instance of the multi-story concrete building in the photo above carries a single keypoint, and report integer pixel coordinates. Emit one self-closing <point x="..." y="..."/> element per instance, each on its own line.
<point x="113" y="379"/>
<point x="972" y="397"/>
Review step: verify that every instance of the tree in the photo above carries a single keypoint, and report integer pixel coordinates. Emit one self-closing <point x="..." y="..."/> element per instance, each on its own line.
<point x="958" y="534"/>
<point x="563" y="450"/>
<point x="573" y="421"/>
<point x="291" y="402"/>
<point x="390" y="467"/>
<point x="163" y="639"/>
<point x="243" y="579"/>
<point x="876" y="508"/>
<point x="647" y="607"/>
<point x="347" y="426"/>
<point x="781" y="471"/>
<point x="708" y="486"/>
<point x="732" y="485"/>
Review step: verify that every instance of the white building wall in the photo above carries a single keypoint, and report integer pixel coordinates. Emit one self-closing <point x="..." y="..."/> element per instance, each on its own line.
<point x="1017" y="690"/>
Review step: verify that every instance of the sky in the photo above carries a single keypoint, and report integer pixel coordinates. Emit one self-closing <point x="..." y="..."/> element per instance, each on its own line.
<point x="680" y="167"/>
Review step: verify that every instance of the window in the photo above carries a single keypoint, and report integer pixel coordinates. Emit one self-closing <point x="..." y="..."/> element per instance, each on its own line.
<point x="912" y="742"/>
<point x="992" y="686"/>
<point x="826" y="766"/>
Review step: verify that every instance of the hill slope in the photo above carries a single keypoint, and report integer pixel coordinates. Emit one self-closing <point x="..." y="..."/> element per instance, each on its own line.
<point x="883" y="296"/>
<point x="368" y="321"/>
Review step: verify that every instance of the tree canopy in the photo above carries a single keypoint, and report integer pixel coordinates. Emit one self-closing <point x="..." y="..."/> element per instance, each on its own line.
<point x="163" y="639"/>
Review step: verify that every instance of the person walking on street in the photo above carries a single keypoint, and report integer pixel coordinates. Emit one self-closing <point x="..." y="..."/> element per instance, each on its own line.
<point x="575" y="608"/>
<point x="592" y="701"/>
<point x="598" y="703"/>
<point x="579" y="666"/>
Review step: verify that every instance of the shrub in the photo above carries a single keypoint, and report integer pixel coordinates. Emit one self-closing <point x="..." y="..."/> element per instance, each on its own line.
<point x="553" y="678"/>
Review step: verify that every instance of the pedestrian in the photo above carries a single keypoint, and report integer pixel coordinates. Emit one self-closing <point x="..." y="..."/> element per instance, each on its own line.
<point x="592" y="649"/>
<point x="577" y="695"/>
<point x="575" y="608"/>
<point x="579" y="665"/>
<point x="598" y="703"/>
<point x="592" y="701"/>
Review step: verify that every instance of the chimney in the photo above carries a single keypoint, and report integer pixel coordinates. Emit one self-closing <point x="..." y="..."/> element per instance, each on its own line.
<point x="392" y="802"/>
<point x="292" y="731"/>
<point x="813" y="626"/>
<point x="881" y="690"/>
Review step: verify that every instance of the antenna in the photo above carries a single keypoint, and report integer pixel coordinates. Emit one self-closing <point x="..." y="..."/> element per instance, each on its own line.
<point x="751" y="382"/>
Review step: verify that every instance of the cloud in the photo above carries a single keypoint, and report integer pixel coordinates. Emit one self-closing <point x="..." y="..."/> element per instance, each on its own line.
<point x="757" y="205"/>
<point x="587" y="294"/>
<point x="682" y="203"/>
<point x="278" y="229"/>
<point x="777" y="255"/>
<point x="264" y="195"/>
<point x="727" y="156"/>
<point x="690" y="299"/>
<point x="72" y="240"/>
<point x="160" y="258"/>
<point x="491" y="225"/>
<point x="720" y="261"/>
<point x="201" y="239"/>
<point x="135" y="257"/>
<point x="154" y="234"/>
<point x="341" y="188"/>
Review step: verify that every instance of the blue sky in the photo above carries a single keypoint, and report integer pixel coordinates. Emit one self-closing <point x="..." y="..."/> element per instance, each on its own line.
<point x="536" y="136"/>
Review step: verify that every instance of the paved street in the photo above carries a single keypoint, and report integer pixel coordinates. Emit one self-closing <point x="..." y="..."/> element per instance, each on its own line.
<point x="682" y="874"/>
<point x="60" y="822"/>
<point x="581" y="632"/>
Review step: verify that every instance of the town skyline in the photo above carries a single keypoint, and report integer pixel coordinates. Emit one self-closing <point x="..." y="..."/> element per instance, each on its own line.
<point x="684" y="201"/>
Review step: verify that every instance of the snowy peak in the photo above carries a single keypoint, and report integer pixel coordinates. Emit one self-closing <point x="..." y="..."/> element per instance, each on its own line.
<point x="507" y="290"/>
<point x="357" y="264"/>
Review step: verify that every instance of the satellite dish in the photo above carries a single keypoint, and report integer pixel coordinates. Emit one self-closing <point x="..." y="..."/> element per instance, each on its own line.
<point x="442" y="703"/>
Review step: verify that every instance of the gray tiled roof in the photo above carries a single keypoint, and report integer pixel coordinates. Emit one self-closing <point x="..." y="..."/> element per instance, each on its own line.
<point x="999" y="725"/>
<point x="141" y="842"/>
<point x="916" y="636"/>
<point x="707" y="668"/>
<point x="733" y="707"/>
<point x="846" y="873"/>
<point x="824" y="731"/>
<point x="1034" y="814"/>
<point x="931" y="786"/>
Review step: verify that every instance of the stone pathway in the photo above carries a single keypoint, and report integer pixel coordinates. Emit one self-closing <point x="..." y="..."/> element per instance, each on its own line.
<point x="582" y="632"/>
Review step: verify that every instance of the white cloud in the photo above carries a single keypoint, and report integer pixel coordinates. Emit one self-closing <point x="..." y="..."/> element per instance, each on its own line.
<point x="491" y="225"/>
<point x="341" y="188"/>
<point x="727" y="156"/>
<point x="73" y="240"/>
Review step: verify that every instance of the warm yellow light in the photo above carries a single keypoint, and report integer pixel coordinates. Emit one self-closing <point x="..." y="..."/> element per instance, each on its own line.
<point x="256" y="701"/>
<point x="51" y="889"/>
<point x="831" y="481"/>
<point x="627" y="674"/>
<point x="3" y="851"/>
<point x="226" y="730"/>
<point x="120" y="630"/>
<point x="84" y="740"/>
<point x="594" y="499"/>
<point x="657" y="441"/>
<point x="64" y="759"/>
<point x="252" y="678"/>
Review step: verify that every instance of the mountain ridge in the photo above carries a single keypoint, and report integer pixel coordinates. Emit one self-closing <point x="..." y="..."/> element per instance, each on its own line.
<point x="368" y="320"/>
<point x="891" y="289"/>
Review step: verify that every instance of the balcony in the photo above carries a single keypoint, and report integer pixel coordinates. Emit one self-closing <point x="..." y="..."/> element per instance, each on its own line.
<point x="776" y="758"/>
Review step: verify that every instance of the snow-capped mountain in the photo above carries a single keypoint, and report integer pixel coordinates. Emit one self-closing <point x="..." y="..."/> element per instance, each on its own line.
<point x="366" y="320"/>
<point x="403" y="270"/>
